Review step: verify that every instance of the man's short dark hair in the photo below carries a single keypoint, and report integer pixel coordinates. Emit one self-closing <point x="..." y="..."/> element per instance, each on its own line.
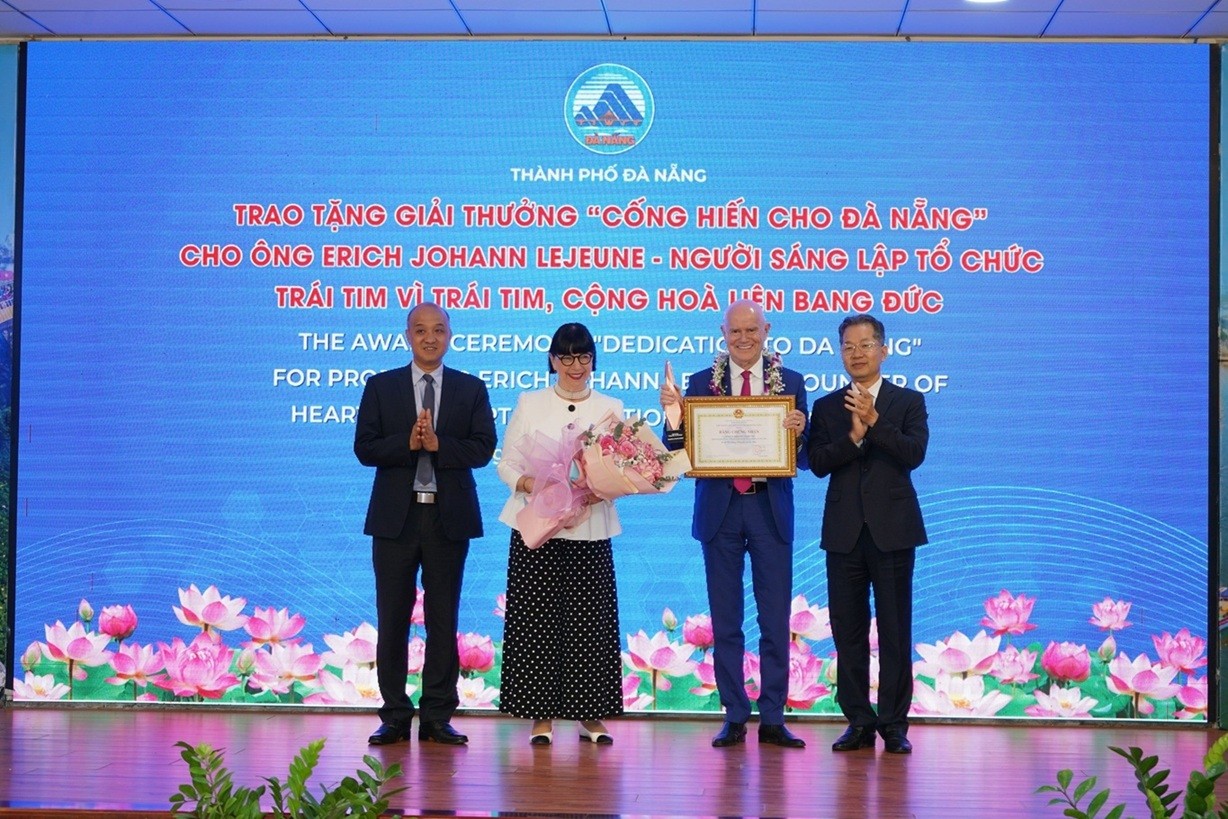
<point x="880" y="333"/>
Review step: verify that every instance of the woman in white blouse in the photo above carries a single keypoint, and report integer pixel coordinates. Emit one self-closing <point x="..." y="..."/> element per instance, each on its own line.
<point x="561" y="644"/>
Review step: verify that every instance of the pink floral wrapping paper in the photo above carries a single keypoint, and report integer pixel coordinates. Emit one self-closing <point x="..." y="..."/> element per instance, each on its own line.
<point x="556" y="502"/>
<point x="610" y="459"/>
<point x="620" y="458"/>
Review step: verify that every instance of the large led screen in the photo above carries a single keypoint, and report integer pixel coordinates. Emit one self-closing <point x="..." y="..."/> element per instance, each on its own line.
<point x="221" y="241"/>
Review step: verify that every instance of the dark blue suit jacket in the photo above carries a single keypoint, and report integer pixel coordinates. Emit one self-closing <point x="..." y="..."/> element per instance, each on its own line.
<point x="712" y="495"/>
<point x="466" y="430"/>
<point x="871" y="483"/>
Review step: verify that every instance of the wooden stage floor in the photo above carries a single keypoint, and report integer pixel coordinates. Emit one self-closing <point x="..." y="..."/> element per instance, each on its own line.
<point x="93" y="762"/>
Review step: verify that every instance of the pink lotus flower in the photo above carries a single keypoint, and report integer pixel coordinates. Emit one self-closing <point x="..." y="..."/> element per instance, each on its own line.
<point x="280" y="665"/>
<point x="477" y="653"/>
<point x="1066" y="662"/>
<point x="659" y="657"/>
<point x="199" y="669"/>
<point x="416" y="655"/>
<point x="807" y="621"/>
<point x="705" y="672"/>
<point x="135" y="664"/>
<point x="1193" y="695"/>
<point x="1061" y="702"/>
<point x="632" y="699"/>
<point x="117" y="622"/>
<point x="830" y="671"/>
<point x="752" y="673"/>
<point x="958" y="696"/>
<point x="1110" y="615"/>
<point x="697" y="631"/>
<point x="273" y="626"/>
<point x="355" y="647"/>
<point x="418" y="617"/>
<point x="1013" y="667"/>
<point x="31" y="656"/>
<point x="1006" y="614"/>
<point x="958" y="655"/>
<point x="245" y="663"/>
<point x="39" y="687"/>
<point x="1108" y="649"/>
<point x="874" y="673"/>
<point x="1182" y="651"/>
<point x="805" y="671"/>
<point x="669" y="619"/>
<point x="357" y="685"/>
<point x="1142" y="681"/>
<point x="501" y="606"/>
<point x="210" y="611"/>
<point x="475" y="693"/>
<point x="85" y="611"/>
<point x="76" y="647"/>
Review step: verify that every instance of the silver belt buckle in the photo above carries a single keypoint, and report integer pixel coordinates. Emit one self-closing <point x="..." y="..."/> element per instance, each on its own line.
<point x="424" y="497"/>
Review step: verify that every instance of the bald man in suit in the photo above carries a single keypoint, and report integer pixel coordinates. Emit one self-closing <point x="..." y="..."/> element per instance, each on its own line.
<point x="425" y="428"/>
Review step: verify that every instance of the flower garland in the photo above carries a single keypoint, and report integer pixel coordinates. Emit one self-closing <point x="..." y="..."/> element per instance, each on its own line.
<point x="773" y="375"/>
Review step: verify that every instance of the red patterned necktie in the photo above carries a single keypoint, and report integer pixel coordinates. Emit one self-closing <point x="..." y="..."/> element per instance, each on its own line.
<point x="743" y="485"/>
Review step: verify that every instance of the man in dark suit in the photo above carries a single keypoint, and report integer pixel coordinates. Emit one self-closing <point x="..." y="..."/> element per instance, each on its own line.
<point x="424" y="428"/>
<point x="747" y="515"/>
<point x="869" y="438"/>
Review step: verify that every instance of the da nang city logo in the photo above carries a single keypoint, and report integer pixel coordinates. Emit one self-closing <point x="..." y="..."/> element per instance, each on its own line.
<point x="609" y="109"/>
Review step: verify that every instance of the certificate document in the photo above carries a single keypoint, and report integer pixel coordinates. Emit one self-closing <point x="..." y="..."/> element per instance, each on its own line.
<point x="729" y="436"/>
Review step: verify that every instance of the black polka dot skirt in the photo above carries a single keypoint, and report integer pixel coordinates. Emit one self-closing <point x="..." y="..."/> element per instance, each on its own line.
<point x="561" y="646"/>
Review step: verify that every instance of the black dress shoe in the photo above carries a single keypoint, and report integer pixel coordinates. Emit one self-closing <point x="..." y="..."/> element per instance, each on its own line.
<point x="731" y="733"/>
<point x="895" y="742"/>
<point x="779" y="735"/>
<point x="854" y="738"/>
<point x="440" y="731"/>
<point x="389" y="733"/>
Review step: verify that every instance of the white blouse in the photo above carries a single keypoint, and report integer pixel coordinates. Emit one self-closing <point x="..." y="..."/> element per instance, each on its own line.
<point x="545" y="412"/>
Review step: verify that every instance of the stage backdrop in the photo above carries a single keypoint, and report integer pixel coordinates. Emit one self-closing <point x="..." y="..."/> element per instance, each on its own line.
<point x="221" y="241"/>
<point x="1222" y="369"/>
<point x="8" y="215"/>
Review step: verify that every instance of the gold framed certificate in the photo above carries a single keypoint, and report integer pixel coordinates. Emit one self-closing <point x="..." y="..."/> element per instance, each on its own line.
<point x="730" y="436"/>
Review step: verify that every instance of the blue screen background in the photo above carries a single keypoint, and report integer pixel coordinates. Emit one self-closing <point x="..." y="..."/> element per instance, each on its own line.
<point x="1068" y="451"/>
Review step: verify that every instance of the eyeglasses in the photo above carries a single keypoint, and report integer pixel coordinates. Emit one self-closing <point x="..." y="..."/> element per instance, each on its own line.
<point x="867" y="347"/>
<point x="568" y="360"/>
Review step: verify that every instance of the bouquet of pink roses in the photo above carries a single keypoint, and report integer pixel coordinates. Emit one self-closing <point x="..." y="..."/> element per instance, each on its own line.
<point x="557" y="501"/>
<point x="620" y="458"/>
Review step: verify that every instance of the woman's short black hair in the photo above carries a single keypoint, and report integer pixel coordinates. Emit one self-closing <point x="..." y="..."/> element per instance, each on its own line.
<point x="572" y="339"/>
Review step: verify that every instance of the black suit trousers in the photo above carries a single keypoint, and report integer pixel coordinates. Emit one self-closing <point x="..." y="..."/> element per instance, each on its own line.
<point x="850" y="578"/>
<point x="396" y="561"/>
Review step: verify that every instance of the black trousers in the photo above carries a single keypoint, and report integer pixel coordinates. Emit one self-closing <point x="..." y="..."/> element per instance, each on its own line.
<point x="850" y="578"/>
<point x="397" y="561"/>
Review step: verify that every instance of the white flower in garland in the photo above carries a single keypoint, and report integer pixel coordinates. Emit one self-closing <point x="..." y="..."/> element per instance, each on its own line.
<point x="773" y="375"/>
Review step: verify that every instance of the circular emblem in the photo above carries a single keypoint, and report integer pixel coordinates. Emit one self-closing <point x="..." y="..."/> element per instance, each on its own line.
<point x="738" y="413"/>
<point x="609" y="109"/>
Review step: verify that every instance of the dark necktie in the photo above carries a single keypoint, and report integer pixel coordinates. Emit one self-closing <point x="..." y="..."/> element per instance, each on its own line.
<point x="743" y="485"/>
<point x="426" y="473"/>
